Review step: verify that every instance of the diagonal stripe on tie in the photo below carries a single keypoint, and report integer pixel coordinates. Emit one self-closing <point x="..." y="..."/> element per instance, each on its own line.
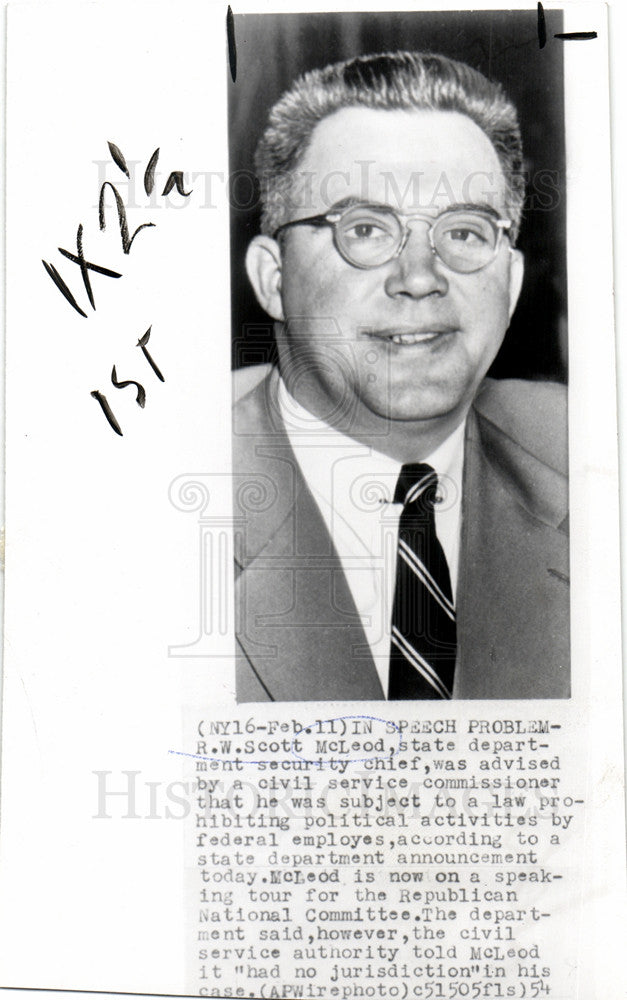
<point x="421" y="665"/>
<point x="423" y="573"/>
<point x="419" y="488"/>
<point x="424" y="632"/>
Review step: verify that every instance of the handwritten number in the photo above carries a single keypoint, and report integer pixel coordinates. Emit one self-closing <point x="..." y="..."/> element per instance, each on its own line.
<point x="123" y="223"/>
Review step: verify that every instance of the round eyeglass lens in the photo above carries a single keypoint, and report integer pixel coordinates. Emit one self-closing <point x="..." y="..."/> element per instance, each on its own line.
<point x="368" y="236"/>
<point x="465" y="241"/>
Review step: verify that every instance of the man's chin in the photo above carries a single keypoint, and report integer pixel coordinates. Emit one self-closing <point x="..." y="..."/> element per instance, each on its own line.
<point x="420" y="406"/>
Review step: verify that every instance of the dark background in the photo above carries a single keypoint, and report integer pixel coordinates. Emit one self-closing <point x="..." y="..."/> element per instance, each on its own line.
<point x="272" y="50"/>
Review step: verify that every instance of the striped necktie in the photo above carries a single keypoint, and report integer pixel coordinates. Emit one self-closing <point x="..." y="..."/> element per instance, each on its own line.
<point x="424" y="632"/>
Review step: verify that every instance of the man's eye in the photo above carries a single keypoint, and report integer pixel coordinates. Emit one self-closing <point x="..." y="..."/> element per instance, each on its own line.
<point x="366" y="231"/>
<point x="465" y="235"/>
<point x="470" y="236"/>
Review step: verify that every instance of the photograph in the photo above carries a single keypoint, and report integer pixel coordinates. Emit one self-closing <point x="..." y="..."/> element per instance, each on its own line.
<point x="398" y="260"/>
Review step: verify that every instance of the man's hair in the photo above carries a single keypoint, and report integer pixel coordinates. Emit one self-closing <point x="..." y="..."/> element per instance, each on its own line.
<point x="387" y="81"/>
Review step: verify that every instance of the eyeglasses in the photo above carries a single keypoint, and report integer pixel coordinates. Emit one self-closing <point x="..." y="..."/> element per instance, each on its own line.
<point x="367" y="236"/>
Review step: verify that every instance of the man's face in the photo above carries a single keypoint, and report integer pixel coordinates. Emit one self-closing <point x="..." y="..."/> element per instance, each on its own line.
<point x="340" y="346"/>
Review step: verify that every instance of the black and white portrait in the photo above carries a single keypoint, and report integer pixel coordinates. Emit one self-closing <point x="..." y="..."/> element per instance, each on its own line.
<point x="400" y="421"/>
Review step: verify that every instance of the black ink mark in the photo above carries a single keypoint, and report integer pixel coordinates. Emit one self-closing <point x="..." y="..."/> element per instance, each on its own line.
<point x="541" y="26"/>
<point x="176" y="180"/>
<point x="118" y="158"/>
<point x="63" y="288"/>
<point x="108" y="412"/>
<point x="560" y="576"/>
<point x="126" y="242"/>
<point x="82" y="264"/>
<point x="576" y="36"/>
<point x="230" y="37"/>
<point x="149" y="173"/>
<point x="86" y="265"/>
<point x="92" y="267"/>
<point x="141" y="392"/>
<point x="142" y="343"/>
<point x="562" y="36"/>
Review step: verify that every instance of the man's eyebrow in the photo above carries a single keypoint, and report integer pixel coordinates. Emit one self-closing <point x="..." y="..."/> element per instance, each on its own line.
<point x="472" y="207"/>
<point x="351" y="201"/>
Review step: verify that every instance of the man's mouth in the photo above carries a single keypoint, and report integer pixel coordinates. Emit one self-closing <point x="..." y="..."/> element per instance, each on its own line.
<point x="414" y="338"/>
<point x="405" y="337"/>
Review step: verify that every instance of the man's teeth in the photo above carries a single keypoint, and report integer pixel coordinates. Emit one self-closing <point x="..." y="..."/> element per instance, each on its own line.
<point x="413" y="338"/>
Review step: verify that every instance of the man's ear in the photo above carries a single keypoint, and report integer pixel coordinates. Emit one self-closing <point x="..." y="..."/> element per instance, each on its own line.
<point x="516" y="274"/>
<point x="264" y="266"/>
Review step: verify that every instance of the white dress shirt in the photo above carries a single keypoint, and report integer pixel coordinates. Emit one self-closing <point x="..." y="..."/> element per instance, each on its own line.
<point x="353" y="486"/>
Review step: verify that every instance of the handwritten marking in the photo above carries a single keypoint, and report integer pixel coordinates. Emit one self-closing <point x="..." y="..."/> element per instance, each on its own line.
<point x="108" y="412"/>
<point x="140" y="399"/>
<point x="225" y="760"/>
<point x="149" y="173"/>
<point x="86" y="265"/>
<point x="541" y="26"/>
<point x="176" y="180"/>
<point x="122" y="221"/>
<point x="142" y="343"/>
<point x="118" y="158"/>
<point x="52" y="272"/>
<point x="230" y="37"/>
<point x="562" y="36"/>
<point x="575" y="36"/>
<point x="560" y="576"/>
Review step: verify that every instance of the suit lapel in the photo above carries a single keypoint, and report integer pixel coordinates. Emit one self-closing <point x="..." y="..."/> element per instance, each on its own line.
<point x="298" y="628"/>
<point x="513" y="572"/>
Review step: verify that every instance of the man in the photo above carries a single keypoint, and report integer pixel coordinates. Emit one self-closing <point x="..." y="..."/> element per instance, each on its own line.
<point x="400" y="521"/>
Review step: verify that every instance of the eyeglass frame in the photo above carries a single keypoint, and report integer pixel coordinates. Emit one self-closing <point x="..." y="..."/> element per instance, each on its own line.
<point x="334" y="216"/>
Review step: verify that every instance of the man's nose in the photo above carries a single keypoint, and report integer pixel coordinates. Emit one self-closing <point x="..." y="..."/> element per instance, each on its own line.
<point x="417" y="271"/>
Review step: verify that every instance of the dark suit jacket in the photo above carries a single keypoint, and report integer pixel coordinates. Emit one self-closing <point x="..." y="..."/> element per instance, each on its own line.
<point x="299" y="634"/>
